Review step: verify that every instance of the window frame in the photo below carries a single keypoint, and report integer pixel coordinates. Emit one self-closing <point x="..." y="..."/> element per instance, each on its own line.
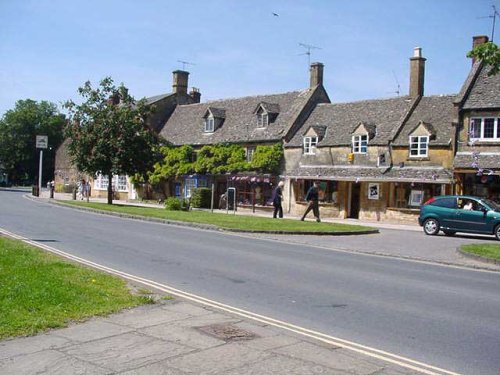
<point x="357" y="144"/>
<point x="310" y="144"/>
<point x="419" y="147"/>
<point x="209" y="124"/>
<point x="250" y="151"/>
<point x="262" y="119"/>
<point x="478" y="133"/>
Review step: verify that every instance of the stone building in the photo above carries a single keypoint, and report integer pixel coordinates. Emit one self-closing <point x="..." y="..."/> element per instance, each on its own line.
<point x="66" y="174"/>
<point x="374" y="159"/>
<point x="477" y="160"/>
<point x="246" y="121"/>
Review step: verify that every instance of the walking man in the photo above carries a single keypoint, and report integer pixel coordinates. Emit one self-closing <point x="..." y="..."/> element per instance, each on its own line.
<point x="312" y="197"/>
<point x="277" y="198"/>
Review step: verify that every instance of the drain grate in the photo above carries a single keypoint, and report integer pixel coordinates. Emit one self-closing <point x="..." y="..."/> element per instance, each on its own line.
<point x="227" y="332"/>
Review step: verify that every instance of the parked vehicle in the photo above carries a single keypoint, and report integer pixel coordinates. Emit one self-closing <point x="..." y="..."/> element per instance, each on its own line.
<point x="460" y="213"/>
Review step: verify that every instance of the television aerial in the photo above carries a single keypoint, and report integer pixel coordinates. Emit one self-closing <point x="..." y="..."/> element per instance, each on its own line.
<point x="494" y="18"/>
<point x="185" y="63"/>
<point x="309" y="48"/>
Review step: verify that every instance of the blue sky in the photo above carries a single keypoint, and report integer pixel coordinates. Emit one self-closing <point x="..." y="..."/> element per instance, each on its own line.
<point x="48" y="48"/>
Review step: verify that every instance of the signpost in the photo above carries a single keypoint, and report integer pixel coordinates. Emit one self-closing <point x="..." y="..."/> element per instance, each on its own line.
<point x="42" y="142"/>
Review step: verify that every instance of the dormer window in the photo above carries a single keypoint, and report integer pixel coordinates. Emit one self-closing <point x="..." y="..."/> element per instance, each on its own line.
<point x="359" y="144"/>
<point x="262" y="119"/>
<point x="209" y="124"/>
<point x="419" y="146"/>
<point x="310" y="145"/>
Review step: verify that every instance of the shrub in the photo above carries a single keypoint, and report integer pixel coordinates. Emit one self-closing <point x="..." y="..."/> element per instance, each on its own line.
<point x="176" y="204"/>
<point x="201" y="197"/>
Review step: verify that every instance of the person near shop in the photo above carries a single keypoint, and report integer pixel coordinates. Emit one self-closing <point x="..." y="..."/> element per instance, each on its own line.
<point x="277" y="199"/>
<point x="312" y="198"/>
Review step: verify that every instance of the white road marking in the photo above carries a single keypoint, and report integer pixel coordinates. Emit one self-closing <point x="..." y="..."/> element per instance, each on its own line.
<point x="349" y="345"/>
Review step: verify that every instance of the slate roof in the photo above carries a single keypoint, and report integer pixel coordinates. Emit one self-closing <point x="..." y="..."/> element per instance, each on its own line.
<point x="437" y="114"/>
<point x="341" y="119"/>
<point x="154" y="99"/>
<point x="374" y="174"/>
<point x="465" y="160"/>
<point x="217" y="112"/>
<point x="485" y="91"/>
<point x="185" y="126"/>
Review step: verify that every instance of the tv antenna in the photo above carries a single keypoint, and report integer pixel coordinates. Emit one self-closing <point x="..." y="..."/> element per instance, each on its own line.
<point x="185" y="63"/>
<point x="494" y="17"/>
<point x="308" y="47"/>
<point x="398" y="91"/>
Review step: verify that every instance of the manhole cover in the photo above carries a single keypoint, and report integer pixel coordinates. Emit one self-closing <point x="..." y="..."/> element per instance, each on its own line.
<point x="227" y="332"/>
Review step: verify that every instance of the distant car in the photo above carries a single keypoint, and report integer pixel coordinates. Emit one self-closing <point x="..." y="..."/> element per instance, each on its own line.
<point x="460" y="213"/>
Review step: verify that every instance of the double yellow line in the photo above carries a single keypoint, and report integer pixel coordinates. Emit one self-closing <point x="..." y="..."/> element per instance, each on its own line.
<point x="349" y="345"/>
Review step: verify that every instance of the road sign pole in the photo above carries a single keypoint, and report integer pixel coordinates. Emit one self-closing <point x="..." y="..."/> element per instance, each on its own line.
<point x="40" y="173"/>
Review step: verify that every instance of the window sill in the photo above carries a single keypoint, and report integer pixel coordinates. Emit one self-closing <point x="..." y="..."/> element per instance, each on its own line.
<point x="418" y="158"/>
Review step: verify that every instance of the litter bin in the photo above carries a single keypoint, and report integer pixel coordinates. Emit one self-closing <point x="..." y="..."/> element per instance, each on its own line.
<point x="34" y="191"/>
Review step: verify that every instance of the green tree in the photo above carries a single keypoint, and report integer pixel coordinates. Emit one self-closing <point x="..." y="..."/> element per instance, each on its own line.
<point x="18" y="130"/>
<point x="108" y="133"/>
<point x="489" y="53"/>
<point x="267" y="159"/>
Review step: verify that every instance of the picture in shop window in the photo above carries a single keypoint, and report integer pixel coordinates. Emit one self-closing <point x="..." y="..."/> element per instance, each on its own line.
<point x="373" y="191"/>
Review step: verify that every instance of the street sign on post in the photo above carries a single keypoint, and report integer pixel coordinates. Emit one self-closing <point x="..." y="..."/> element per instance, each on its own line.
<point x="42" y="141"/>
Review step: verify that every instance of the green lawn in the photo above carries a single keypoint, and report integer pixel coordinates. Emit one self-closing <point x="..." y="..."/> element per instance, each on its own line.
<point x="486" y="250"/>
<point x="39" y="291"/>
<point x="226" y="221"/>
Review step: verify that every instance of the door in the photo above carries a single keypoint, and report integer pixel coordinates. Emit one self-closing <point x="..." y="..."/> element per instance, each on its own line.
<point x="471" y="218"/>
<point x="355" y="201"/>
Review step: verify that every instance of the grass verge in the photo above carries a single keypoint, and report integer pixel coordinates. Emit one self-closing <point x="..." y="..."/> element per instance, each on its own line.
<point x="485" y="250"/>
<point x="226" y="221"/>
<point x="39" y="291"/>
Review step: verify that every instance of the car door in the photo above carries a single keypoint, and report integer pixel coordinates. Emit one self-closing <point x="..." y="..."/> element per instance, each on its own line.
<point x="474" y="220"/>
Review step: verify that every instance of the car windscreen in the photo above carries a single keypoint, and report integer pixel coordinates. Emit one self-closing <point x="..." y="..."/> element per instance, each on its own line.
<point x="491" y="204"/>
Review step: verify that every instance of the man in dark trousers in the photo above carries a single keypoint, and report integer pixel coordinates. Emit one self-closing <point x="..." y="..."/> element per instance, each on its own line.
<point x="277" y="198"/>
<point x="312" y="197"/>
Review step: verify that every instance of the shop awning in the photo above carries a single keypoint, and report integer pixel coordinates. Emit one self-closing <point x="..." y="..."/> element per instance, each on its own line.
<point x="430" y="175"/>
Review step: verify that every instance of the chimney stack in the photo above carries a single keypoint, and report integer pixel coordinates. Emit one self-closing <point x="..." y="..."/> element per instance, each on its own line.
<point x="316" y="72"/>
<point x="180" y="82"/>
<point x="417" y="73"/>
<point x="477" y="41"/>
<point x="195" y="94"/>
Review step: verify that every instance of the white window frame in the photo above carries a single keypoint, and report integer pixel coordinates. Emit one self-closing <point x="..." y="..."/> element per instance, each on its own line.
<point x="250" y="152"/>
<point x="310" y="144"/>
<point x="189" y="185"/>
<point x="358" y="143"/>
<point x="480" y="134"/>
<point x="120" y="182"/>
<point x="209" y="124"/>
<point x="262" y="119"/>
<point x="416" y="140"/>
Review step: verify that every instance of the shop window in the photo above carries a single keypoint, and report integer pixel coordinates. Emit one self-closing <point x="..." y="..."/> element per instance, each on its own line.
<point x="328" y="190"/>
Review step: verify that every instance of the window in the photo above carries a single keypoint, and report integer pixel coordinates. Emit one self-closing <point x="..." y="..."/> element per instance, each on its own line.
<point x="190" y="185"/>
<point x="485" y="128"/>
<point x="359" y="144"/>
<point x="119" y="182"/>
<point x="310" y="145"/>
<point x="250" y="152"/>
<point x="445" y="202"/>
<point x="262" y="119"/>
<point x="419" y="145"/>
<point x="209" y="124"/>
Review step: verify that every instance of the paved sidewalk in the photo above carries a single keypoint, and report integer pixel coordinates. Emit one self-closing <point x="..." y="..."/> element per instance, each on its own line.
<point x="175" y="338"/>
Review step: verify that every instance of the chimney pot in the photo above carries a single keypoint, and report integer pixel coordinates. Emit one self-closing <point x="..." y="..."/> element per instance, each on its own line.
<point x="195" y="94"/>
<point x="316" y="74"/>
<point x="417" y="52"/>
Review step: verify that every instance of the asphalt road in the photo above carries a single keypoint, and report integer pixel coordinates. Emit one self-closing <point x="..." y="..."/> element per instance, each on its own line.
<point x="444" y="316"/>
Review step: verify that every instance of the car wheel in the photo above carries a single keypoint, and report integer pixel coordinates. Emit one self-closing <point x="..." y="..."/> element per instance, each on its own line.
<point x="431" y="227"/>
<point x="497" y="232"/>
<point x="449" y="232"/>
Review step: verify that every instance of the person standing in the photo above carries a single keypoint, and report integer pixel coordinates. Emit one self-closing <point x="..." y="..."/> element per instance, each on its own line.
<point x="277" y="199"/>
<point x="312" y="197"/>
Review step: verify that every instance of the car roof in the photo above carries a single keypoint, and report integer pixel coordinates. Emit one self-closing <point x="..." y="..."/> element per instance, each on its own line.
<point x="458" y="196"/>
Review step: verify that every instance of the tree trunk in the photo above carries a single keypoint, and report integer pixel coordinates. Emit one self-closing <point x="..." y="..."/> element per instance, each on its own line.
<point x="110" y="188"/>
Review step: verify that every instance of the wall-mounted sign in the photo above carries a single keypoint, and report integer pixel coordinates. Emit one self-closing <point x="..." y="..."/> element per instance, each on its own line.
<point x="42" y="141"/>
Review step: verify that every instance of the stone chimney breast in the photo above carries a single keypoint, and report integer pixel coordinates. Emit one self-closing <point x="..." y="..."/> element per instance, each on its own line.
<point x="180" y="82"/>
<point x="477" y="41"/>
<point x="195" y="94"/>
<point x="316" y="74"/>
